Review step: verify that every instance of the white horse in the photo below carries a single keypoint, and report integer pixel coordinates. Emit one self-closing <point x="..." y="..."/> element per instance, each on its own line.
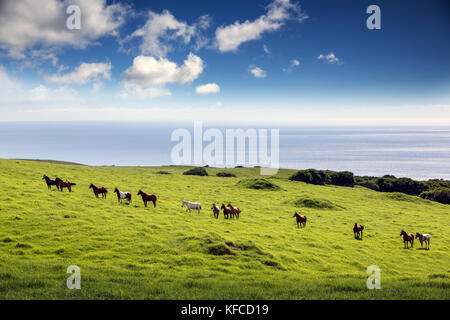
<point x="424" y="238"/>
<point x="191" y="205"/>
<point x="122" y="195"/>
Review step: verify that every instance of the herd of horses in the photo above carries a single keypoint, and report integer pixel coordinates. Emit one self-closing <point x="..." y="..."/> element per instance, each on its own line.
<point x="229" y="211"/>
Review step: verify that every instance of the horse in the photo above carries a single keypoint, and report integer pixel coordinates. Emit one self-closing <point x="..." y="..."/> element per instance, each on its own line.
<point x="424" y="238"/>
<point x="227" y="211"/>
<point x="147" y="197"/>
<point x="301" y="220"/>
<point x="191" y="205"/>
<point x="215" y="210"/>
<point x="358" y="231"/>
<point x="122" y="195"/>
<point x="234" y="211"/>
<point x="50" y="182"/>
<point x="99" y="190"/>
<point x="64" y="184"/>
<point x="407" y="238"/>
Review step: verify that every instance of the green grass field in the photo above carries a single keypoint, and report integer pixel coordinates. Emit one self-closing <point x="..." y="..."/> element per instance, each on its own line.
<point x="132" y="252"/>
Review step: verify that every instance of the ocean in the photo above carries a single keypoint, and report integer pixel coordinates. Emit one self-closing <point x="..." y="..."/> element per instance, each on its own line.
<point x="416" y="152"/>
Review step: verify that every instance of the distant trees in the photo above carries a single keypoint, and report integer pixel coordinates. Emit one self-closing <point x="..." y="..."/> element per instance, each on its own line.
<point x="436" y="189"/>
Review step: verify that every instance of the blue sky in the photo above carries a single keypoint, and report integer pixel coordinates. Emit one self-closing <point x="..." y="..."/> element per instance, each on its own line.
<point x="306" y="62"/>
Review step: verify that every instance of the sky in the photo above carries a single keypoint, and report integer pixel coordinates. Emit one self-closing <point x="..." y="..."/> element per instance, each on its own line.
<point x="270" y="61"/>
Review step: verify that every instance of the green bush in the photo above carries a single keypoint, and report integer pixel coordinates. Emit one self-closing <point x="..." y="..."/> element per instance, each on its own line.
<point x="258" y="184"/>
<point x="314" y="203"/>
<point x="343" y="178"/>
<point x="439" y="195"/>
<point x="225" y="174"/>
<point x="312" y="176"/>
<point x="196" y="172"/>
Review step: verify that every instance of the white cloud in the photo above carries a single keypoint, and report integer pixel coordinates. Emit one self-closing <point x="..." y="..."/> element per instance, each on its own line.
<point x="6" y="82"/>
<point x="293" y="64"/>
<point x="207" y="88"/>
<point x="28" y="23"/>
<point x="137" y="91"/>
<point x="266" y="49"/>
<point x="150" y="71"/>
<point x="43" y="93"/>
<point x="257" y="72"/>
<point x="329" y="58"/>
<point x="148" y="75"/>
<point x="83" y="74"/>
<point x="160" y="29"/>
<point x="229" y="38"/>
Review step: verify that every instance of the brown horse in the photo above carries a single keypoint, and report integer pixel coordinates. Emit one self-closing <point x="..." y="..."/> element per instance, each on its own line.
<point x="64" y="184"/>
<point x="227" y="211"/>
<point x="99" y="190"/>
<point x="407" y="238"/>
<point x="234" y="211"/>
<point x="301" y="220"/>
<point x="147" y="197"/>
<point x="358" y="231"/>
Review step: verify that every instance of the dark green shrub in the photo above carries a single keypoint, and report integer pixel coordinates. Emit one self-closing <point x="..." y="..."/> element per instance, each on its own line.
<point x="312" y="176"/>
<point x="343" y="178"/>
<point x="196" y="172"/>
<point x="225" y="174"/>
<point x="439" y="195"/>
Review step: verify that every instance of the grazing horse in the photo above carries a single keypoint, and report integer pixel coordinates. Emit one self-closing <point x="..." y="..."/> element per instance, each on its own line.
<point x="50" y="182"/>
<point x="227" y="211"/>
<point x="301" y="220"/>
<point x="358" y="231"/>
<point x="147" y="197"/>
<point x="122" y="195"/>
<point x="191" y="205"/>
<point x="234" y="211"/>
<point x="407" y="238"/>
<point x="215" y="210"/>
<point x="64" y="184"/>
<point x="424" y="238"/>
<point x="99" y="190"/>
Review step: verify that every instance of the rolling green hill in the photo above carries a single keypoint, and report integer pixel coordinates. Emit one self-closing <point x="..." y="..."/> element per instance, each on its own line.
<point x="132" y="252"/>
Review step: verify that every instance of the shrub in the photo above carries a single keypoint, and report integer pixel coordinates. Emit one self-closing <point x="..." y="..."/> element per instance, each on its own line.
<point x="162" y="172"/>
<point x="344" y="178"/>
<point x="225" y="174"/>
<point x="439" y="195"/>
<point x="314" y="203"/>
<point x="196" y="172"/>
<point x="312" y="176"/>
<point x="258" y="184"/>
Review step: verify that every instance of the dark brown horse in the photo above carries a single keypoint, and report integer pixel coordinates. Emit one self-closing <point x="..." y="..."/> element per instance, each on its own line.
<point x="358" y="231"/>
<point x="50" y="182"/>
<point x="64" y="184"/>
<point x="147" y="197"/>
<point x="99" y="190"/>
<point x="301" y="220"/>
<point x="407" y="238"/>
<point x="235" y="211"/>
<point x="227" y="211"/>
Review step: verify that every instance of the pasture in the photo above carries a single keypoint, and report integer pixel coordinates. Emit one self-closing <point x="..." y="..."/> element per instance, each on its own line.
<point x="132" y="252"/>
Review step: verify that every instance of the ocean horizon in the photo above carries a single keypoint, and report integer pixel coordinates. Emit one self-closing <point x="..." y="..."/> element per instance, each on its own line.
<point x="420" y="153"/>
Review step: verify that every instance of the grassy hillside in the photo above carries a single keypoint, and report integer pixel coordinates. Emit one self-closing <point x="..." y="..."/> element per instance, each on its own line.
<point x="128" y="251"/>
